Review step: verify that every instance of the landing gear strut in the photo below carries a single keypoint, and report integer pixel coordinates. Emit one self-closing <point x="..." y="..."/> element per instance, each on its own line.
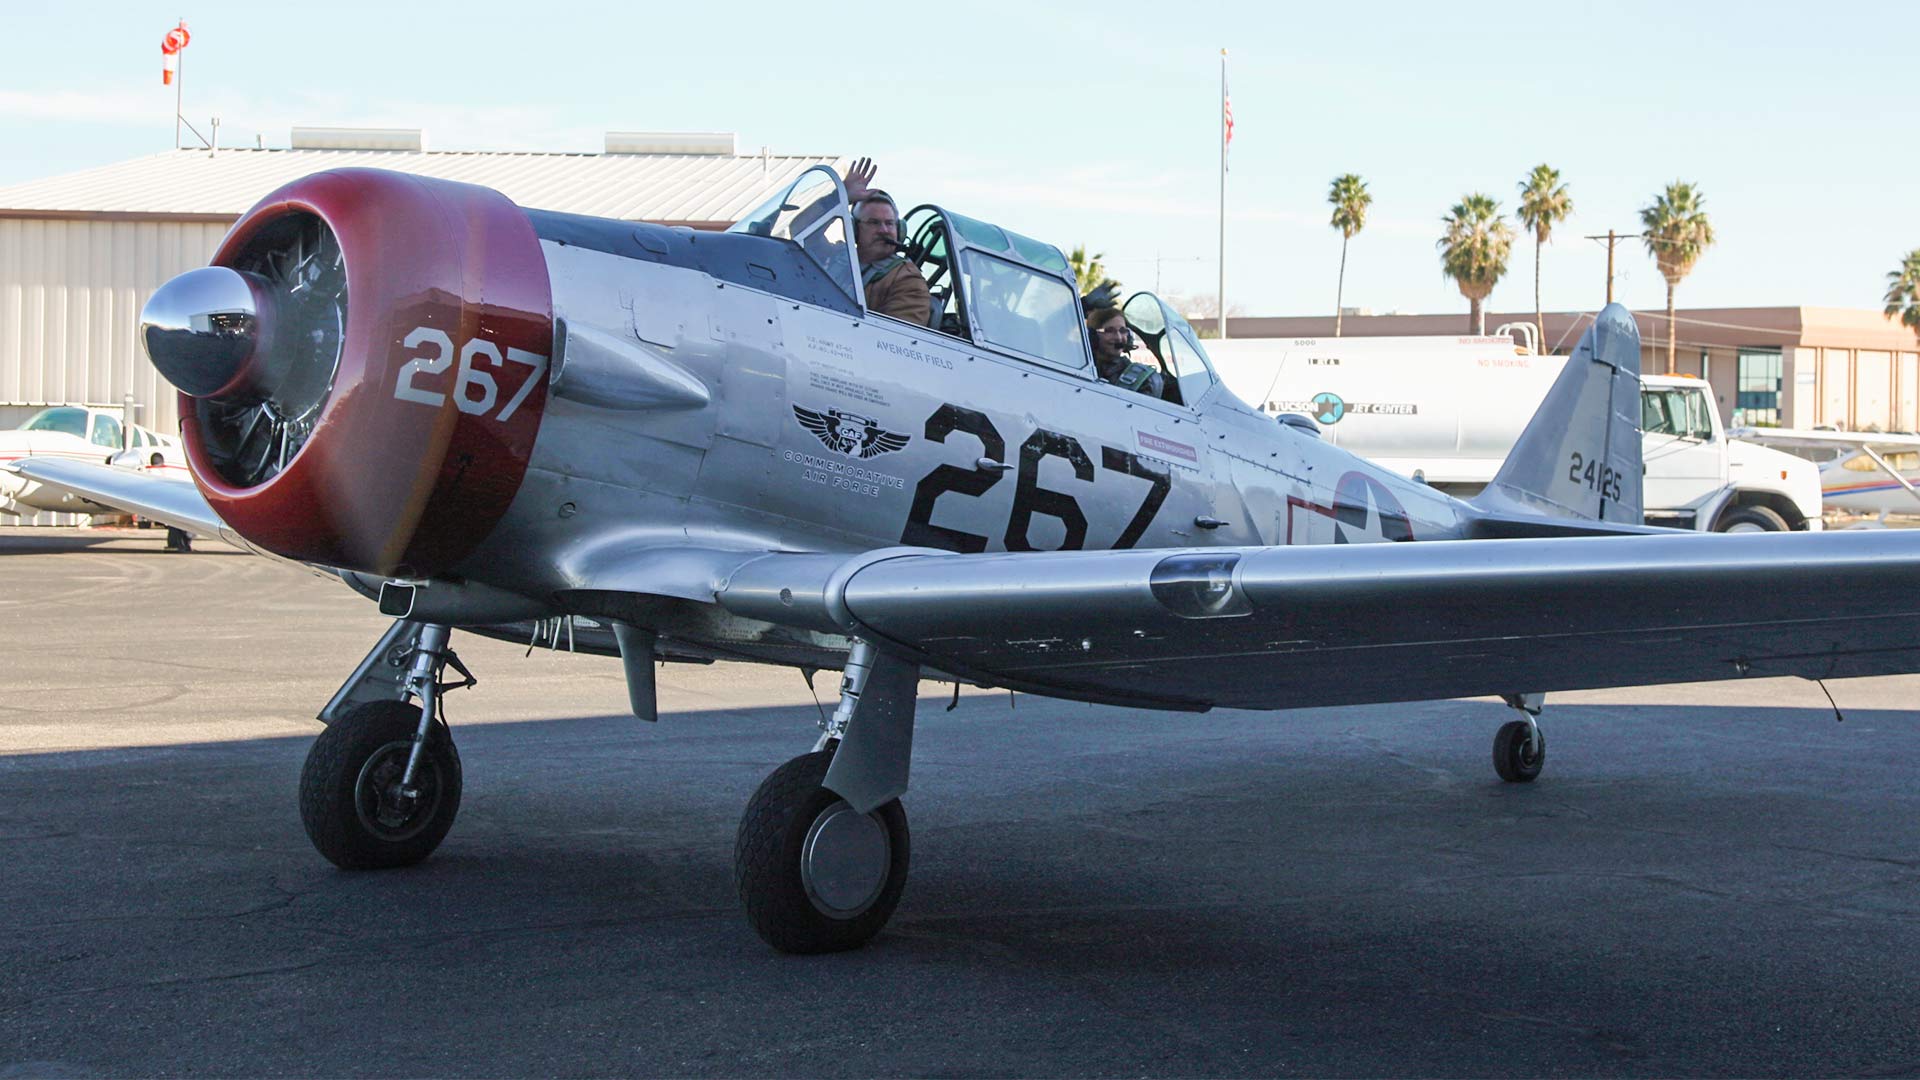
<point x="1520" y="747"/>
<point x="381" y="785"/>
<point x="823" y="850"/>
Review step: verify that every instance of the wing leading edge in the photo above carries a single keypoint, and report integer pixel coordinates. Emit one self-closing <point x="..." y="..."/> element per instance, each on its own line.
<point x="1270" y="628"/>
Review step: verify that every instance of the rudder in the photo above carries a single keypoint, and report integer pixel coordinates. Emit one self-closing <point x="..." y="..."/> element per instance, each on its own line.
<point x="1580" y="454"/>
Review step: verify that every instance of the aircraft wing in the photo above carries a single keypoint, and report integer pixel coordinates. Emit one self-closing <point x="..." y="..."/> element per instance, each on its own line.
<point x="1838" y="440"/>
<point x="171" y="502"/>
<point x="1268" y="628"/>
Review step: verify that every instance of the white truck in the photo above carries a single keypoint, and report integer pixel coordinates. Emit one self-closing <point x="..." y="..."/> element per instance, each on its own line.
<point x="1448" y="409"/>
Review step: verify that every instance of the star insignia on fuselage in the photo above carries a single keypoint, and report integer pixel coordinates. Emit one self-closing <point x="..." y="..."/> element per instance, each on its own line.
<point x="850" y="433"/>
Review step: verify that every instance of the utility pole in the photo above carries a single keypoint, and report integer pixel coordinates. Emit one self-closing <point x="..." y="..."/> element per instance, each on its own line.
<point x="1612" y="238"/>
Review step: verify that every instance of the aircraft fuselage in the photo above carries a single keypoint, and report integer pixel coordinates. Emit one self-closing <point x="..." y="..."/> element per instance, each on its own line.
<point x="829" y="431"/>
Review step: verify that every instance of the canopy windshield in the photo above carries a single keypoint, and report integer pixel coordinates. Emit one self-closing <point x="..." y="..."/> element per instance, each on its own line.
<point x="811" y="212"/>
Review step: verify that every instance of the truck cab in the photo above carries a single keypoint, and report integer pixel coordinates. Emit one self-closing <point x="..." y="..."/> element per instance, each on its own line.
<point x="1698" y="478"/>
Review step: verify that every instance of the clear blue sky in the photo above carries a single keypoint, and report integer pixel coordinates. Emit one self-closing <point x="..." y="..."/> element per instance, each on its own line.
<point x="1098" y="124"/>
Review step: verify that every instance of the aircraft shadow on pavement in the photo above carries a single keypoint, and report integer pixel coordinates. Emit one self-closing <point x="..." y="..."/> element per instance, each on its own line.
<point x="1068" y="810"/>
<point x="1684" y="888"/>
<point x="21" y="541"/>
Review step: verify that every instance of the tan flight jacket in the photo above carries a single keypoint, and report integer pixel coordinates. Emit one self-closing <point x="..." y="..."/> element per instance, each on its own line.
<point x="901" y="293"/>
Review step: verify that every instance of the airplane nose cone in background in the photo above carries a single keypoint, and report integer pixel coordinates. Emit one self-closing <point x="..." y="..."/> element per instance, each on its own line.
<point x="202" y="328"/>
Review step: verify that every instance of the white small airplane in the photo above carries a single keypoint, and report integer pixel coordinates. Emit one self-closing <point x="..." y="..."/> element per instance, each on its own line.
<point x="82" y="433"/>
<point x="1861" y="472"/>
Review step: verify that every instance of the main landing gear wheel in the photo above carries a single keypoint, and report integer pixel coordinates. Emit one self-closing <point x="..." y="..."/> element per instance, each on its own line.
<point x="350" y="795"/>
<point x="814" y="876"/>
<point x="1514" y="759"/>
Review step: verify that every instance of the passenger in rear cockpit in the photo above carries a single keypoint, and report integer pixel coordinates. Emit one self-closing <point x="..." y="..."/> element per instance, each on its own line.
<point x="1112" y="346"/>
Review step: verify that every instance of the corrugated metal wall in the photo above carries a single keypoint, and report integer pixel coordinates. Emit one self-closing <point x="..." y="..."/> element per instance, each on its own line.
<point x="70" y="297"/>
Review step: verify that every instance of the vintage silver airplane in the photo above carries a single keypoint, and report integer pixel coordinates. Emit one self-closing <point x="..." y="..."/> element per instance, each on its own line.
<point x="489" y="417"/>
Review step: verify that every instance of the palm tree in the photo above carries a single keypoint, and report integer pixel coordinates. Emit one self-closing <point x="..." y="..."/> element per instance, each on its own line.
<point x="1903" y="292"/>
<point x="1544" y="203"/>
<point x="1678" y="233"/>
<point x="1350" y="201"/>
<point x="1474" y="252"/>
<point x="1089" y="271"/>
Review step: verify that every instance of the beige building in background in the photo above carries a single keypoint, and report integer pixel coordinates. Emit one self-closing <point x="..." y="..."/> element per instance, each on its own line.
<point x="80" y="253"/>
<point x="1846" y="368"/>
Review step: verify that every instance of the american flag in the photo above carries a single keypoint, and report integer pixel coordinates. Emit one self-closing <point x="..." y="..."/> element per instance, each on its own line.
<point x="1226" y="112"/>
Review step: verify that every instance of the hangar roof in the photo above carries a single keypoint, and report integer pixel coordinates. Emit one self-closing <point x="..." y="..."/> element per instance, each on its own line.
<point x="713" y="190"/>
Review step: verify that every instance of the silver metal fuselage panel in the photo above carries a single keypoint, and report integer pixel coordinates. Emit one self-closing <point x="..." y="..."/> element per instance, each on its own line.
<point x="830" y="433"/>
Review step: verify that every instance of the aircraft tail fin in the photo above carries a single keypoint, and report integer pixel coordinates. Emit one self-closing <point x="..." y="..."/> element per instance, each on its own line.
<point x="1579" y="456"/>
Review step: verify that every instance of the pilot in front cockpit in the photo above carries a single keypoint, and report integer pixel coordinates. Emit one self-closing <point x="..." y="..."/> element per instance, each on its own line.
<point x="895" y="286"/>
<point x="1112" y="342"/>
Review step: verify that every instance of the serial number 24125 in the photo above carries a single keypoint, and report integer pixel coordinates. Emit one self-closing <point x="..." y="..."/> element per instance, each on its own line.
<point x="1594" y="476"/>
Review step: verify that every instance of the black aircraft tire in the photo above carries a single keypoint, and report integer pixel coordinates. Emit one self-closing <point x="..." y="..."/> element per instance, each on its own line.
<point x="1755" y="518"/>
<point x="1510" y="758"/>
<point x="768" y="855"/>
<point x="347" y="789"/>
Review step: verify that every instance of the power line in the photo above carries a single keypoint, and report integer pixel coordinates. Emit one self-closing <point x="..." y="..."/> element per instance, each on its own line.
<point x="1157" y="260"/>
<point x="1658" y="316"/>
<point x="1611" y="238"/>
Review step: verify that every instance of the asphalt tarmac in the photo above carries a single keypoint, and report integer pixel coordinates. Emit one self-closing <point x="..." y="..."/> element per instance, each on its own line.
<point x="1713" y="880"/>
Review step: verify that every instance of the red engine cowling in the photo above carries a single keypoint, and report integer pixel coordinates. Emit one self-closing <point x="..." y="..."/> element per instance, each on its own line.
<point x="405" y="374"/>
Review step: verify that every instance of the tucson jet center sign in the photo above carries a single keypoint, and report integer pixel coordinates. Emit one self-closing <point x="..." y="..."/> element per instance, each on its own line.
<point x="1330" y="408"/>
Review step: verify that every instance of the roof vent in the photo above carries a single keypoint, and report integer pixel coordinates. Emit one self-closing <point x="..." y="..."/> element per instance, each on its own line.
<point x="671" y="142"/>
<point x="346" y="138"/>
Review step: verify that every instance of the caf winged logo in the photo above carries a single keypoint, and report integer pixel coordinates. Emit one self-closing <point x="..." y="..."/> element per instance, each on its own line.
<point x="849" y="433"/>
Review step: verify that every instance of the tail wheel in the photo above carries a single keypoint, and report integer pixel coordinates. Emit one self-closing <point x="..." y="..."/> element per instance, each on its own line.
<point x="351" y="801"/>
<point x="814" y="875"/>
<point x="1517" y="758"/>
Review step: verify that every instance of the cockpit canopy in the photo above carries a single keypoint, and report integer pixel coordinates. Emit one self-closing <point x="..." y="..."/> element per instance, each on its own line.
<point x="999" y="288"/>
<point x="812" y="213"/>
<point x="1169" y="340"/>
<point x="989" y="285"/>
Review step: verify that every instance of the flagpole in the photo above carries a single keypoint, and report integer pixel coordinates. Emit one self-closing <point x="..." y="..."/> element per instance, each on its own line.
<point x="1223" y="195"/>
<point x="179" y="83"/>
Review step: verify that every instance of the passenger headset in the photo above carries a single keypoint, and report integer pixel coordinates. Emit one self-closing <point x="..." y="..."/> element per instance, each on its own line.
<point x="1132" y="342"/>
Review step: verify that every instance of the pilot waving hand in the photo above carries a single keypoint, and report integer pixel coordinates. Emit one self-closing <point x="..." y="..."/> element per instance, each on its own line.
<point x="895" y="287"/>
